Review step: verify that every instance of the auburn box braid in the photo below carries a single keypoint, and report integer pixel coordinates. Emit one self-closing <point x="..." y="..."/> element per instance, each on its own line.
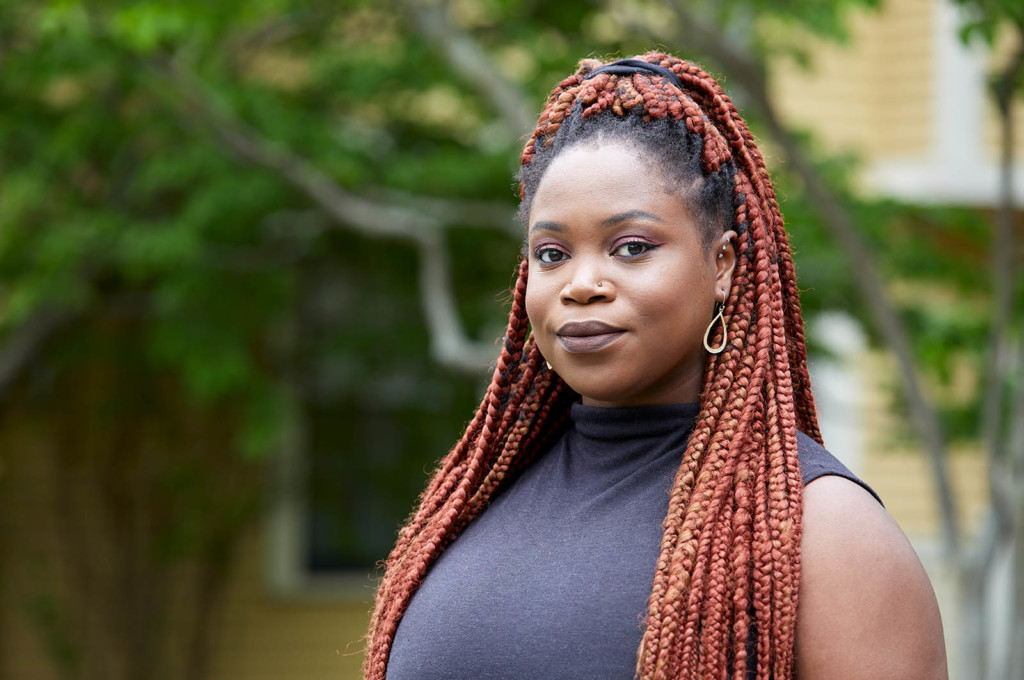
<point x="724" y="598"/>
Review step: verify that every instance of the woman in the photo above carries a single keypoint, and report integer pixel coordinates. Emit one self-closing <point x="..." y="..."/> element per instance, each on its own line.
<point x="630" y="497"/>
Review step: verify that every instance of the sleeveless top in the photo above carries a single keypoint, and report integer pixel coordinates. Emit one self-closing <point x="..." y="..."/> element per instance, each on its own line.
<point x="552" y="579"/>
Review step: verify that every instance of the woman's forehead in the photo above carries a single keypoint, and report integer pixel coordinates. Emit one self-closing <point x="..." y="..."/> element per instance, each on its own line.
<point x="605" y="174"/>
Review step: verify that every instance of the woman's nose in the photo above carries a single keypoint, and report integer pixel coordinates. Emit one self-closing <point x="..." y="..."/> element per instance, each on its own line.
<point x="586" y="285"/>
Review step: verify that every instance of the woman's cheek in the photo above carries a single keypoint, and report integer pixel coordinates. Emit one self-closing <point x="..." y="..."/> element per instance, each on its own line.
<point x="535" y="315"/>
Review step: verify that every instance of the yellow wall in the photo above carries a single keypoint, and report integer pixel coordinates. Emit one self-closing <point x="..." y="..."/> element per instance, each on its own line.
<point x="267" y="637"/>
<point x="871" y="95"/>
<point x="874" y="95"/>
<point x="260" y="636"/>
<point x="899" y="471"/>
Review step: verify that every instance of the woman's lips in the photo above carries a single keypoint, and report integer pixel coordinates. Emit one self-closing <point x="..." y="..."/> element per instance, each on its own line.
<point x="579" y="344"/>
<point x="587" y="336"/>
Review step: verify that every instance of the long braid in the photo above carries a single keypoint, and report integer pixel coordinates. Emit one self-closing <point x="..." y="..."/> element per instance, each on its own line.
<point x="729" y="569"/>
<point x="453" y="498"/>
<point x="445" y="478"/>
<point x="712" y="93"/>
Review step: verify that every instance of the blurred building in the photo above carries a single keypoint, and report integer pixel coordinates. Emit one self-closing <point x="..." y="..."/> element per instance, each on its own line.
<point x="910" y="100"/>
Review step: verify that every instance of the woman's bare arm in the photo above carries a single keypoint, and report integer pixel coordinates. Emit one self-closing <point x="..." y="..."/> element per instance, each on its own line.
<point x="867" y="610"/>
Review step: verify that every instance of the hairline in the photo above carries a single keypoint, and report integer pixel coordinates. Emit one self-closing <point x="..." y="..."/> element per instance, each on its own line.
<point x="605" y="129"/>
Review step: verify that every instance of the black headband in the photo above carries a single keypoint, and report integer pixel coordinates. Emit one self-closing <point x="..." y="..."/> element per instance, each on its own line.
<point x="625" y="67"/>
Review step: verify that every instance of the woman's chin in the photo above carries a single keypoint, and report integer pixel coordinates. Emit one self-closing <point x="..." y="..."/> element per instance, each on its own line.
<point x="604" y="397"/>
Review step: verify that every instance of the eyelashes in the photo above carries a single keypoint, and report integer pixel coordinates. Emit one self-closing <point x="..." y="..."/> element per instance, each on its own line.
<point x="633" y="249"/>
<point x="549" y="255"/>
<point x="630" y="249"/>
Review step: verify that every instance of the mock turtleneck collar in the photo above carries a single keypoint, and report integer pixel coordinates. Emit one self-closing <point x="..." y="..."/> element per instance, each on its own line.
<point x="631" y="422"/>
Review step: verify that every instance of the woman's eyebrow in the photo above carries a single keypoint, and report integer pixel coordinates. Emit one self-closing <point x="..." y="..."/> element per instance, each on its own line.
<point x="548" y="226"/>
<point x="612" y="221"/>
<point x="629" y="215"/>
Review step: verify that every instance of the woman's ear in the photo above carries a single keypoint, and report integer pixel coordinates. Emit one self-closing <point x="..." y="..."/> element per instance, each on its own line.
<point x="725" y="263"/>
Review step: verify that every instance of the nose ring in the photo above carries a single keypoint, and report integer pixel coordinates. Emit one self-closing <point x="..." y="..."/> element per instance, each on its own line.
<point x="600" y="283"/>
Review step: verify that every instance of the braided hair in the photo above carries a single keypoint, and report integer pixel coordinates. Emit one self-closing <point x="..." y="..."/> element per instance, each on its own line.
<point x="724" y="597"/>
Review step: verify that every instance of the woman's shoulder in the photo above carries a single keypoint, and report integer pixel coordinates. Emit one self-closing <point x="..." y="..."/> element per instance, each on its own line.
<point x="867" y="608"/>
<point x="817" y="462"/>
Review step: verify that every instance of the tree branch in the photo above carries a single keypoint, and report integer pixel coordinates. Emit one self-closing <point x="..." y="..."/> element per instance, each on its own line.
<point x="744" y="71"/>
<point x="477" y="214"/>
<point x="448" y="343"/>
<point x="1003" y="274"/>
<point x="471" y="63"/>
<point x="419" y="221"/>
<point x="277" y="30"/>
<point x="24" y="345"/>
<point x="1005" y="440"/>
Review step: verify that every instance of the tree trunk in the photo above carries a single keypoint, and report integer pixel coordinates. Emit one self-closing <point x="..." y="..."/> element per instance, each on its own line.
<point x="1001" y="436"/>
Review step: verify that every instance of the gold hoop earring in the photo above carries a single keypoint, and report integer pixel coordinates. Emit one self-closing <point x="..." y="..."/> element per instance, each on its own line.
<point x="719" y="307"/>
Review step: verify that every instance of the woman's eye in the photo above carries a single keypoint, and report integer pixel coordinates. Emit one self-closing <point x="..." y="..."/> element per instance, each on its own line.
<point x="632" y="249"/>
<point x="550" y="255"/>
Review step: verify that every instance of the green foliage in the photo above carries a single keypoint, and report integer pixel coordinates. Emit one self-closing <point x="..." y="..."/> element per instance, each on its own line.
<point x="985" y="18"/>
<point x="117" y="199"/>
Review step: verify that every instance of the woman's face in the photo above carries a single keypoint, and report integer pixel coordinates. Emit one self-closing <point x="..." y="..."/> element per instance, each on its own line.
<point x="621" y="287"/>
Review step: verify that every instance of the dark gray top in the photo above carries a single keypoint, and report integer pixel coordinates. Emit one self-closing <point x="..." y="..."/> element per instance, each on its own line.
<point x="552" y="580"/>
